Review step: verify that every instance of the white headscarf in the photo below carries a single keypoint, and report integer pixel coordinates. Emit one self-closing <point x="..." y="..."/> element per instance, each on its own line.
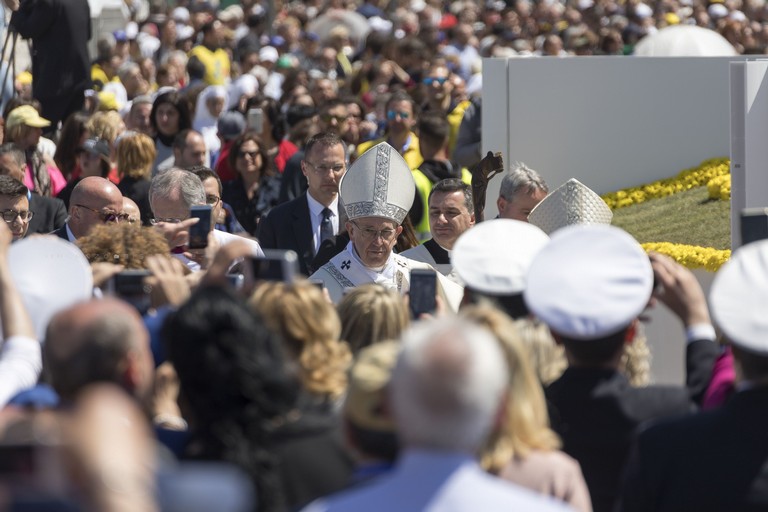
<point x="203" y="117"/>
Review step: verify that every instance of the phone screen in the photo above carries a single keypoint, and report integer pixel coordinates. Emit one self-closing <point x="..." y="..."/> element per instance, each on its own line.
<point x="256" y="120"/>
<point x="131" y="287"/>
<point x="422" y="293"/>
<point x="275" y="265"/>
<point x="198" y="234"/>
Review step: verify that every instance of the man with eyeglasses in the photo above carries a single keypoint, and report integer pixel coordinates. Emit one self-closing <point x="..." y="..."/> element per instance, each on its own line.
<point x="14" y="206"/>
<point x="171" y="195"/>
<point x="93" y="201"/>
<point x="377" y="192"/>
<point x="401" y="118"/>
<point x="49" y="213"/>
<point x="332" y="117"/>
<point x="312" y="220"/>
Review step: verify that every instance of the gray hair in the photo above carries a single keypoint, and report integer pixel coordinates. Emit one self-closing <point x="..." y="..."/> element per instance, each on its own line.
<point x="521" y="178"/>
<point x="448" y="385"/>
<point x="127" y="68"/>
<point x="167" y="183"/>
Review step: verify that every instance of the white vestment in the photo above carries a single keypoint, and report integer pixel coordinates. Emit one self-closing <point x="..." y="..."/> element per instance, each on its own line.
<point x="345" y="270"/>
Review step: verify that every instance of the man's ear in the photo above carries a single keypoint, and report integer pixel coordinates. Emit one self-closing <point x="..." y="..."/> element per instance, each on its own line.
<point x="501" y="203"/>
<point x="304" y="168"/>
<point x="349" y="226"/>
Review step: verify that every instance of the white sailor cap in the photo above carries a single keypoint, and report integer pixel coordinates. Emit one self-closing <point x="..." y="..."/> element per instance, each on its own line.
<point x="739" y="295"/>
<point x="493" y="257"/>
<point x="572" y="203"/>
<point x="589" y="281"/>
<point x="51" y="274"/>
<point x="378" y="184"/>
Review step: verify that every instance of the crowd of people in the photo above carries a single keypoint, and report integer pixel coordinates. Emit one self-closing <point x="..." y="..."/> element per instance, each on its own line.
<point x="245" y="265"/>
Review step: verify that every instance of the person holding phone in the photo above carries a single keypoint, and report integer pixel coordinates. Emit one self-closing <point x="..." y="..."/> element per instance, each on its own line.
<point x="172" y="194"/>
<point x="377" y="192"/>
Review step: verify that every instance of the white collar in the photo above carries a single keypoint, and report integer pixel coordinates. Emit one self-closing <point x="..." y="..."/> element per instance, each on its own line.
<point x="386" y="271"/>
<point x="317" y="208"/>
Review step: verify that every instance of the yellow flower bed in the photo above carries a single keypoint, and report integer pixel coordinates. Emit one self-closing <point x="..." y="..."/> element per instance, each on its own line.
<point x="685" y="180"/>
<point x="720" y="188"/>
<point x="691" y="256"/>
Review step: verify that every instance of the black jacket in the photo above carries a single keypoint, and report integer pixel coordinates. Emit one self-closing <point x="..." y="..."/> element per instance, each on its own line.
<point x="712" y="461"/>
<point x="596" y="413"/>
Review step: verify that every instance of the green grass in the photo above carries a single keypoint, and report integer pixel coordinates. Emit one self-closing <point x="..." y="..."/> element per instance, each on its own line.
<point x="685" y="218"/>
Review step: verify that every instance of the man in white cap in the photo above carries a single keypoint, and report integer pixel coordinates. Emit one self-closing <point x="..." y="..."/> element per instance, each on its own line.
<point x="589" y="285"/>
<point x="716" y="460"/>
<point x="446" y="393"/>
<point x="377" y="192"/>
<point x="492" y="261"/>
<point x="451" y="213"/>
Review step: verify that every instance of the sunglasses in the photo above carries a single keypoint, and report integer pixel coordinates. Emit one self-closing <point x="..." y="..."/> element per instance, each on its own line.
<point x="106" y="217"/>
<point x="432" y="79"/>
<point x="251" y="154"/>
<point x="391" y="114"/>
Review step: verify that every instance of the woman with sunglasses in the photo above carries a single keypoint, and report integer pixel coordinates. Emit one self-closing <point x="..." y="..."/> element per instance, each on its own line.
<point x="256" y="188"/>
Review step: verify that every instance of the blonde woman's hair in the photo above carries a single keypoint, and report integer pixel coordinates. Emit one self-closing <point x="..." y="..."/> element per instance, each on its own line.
<point x="547" y="357"/>
<point x="105" y="125"/>
<point x="135" y="155"/>
<point x="635" y="361"/>
<point x="310" y="329"/>
<point x="549" y="362"/>
<point x="16" y="132"/>
<point x="371" y="313"/>
<point x="526" y="425"/>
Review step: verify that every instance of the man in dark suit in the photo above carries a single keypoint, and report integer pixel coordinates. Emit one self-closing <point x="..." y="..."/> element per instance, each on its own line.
<point x="311" y="221"/>
<point x="94" y="201"/>
<point x="49" y="213"/>
<point x="589" y="284"/>
<point x="718" y="459"/>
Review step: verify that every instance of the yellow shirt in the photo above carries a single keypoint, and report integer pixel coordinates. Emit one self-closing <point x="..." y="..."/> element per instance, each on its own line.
<point x="454" y="120"/>
<point x="216" y="64"/>
<point x="411" y="155"/>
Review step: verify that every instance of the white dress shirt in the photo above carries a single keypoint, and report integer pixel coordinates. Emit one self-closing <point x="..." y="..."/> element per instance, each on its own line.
<point x="316" y="216"/>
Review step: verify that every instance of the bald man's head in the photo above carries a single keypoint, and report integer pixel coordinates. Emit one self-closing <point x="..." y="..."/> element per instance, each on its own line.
<point x="93" y="201"/>
<point x="98" y="341"/>
<point x="131" y="211"/>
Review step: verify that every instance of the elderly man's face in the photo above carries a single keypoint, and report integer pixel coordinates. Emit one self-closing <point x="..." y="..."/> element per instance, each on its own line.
<point x="171" y="208"/>
<point x="139" y="118"/>
<point x="373" y="238"/>
<point x="520" y="206"/>
<point x="449" y="217"/>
